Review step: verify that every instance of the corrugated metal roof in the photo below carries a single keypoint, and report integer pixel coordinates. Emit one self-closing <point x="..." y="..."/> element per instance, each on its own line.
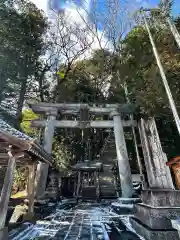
<point x="23" y="142"/>
<point x="7" y="128"/>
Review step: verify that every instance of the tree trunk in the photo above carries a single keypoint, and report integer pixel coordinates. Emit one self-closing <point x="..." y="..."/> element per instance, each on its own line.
<point x="21" y="100"/>
<point x="41" y="78"/>
<point x="2" y="85"/>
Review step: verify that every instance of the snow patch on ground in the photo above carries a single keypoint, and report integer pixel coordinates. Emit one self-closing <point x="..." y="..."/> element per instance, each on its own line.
<point x="117" y="204"/>
<point x="126" y="221"/>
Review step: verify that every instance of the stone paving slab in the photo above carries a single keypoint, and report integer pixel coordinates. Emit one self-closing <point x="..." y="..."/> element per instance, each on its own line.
<point x="85" y="221"/>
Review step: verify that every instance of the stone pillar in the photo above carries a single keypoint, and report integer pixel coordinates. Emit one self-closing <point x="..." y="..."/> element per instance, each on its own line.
<point x="155" y="159"/>
<point x="150" y="168"/>
<point x="42" y="168"/>
<point x="6" y="190"/>
<point x="122" y="156"/>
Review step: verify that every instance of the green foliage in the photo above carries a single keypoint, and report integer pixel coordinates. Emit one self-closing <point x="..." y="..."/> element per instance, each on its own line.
<point x="139" y="69"/>
<point x="27" y="116"/>
<point x="20" y="178"/>
<point x="22" y="26"/>
<point x="61" y="156"/>
<point x="22" y="41"/>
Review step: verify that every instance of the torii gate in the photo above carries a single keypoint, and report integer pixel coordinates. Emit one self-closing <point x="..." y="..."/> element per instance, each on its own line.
<point x="113" y="110"/>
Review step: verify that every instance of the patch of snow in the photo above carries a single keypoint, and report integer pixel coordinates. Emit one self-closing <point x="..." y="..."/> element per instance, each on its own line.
<point x="128" y="199"/>
<point x="116" y="204"/>
<point x="126" y="221"/>
<point x="105" y="235"/>
<point x="51" y="204"/>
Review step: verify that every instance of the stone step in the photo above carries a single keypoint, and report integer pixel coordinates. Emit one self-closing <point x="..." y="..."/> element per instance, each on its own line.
<point x="107" y="191"/>
<point x="109" y="156"/>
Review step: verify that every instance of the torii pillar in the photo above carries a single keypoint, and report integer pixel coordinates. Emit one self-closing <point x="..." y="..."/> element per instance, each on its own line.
<point x="42" y="168"/>
<point x="122" y="156"/>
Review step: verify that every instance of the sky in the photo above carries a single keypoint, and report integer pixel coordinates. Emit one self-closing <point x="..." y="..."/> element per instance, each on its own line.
<point x="101" y="7"/>
<point x="42" y="4"/>
<point x="131" y="5"/>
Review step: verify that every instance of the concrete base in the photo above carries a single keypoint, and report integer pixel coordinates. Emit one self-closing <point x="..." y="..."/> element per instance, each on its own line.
<point x="4" y="233"/>
<point x="156" y="217"/>
<point x="161" y="197"/>
<point x="152" y="218"/>
<point x="152" y="234"/>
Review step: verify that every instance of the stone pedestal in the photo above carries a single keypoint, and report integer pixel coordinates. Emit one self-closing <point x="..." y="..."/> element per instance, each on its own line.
<point x="161" y="197"/>
<point x="152" y="218"/>
<point x="151" y="234"/>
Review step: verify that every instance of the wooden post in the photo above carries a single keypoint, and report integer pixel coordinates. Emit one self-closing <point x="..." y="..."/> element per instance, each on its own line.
<point x="116" y="185"/>
<point x="31" y="189"/>
<point x="59" y="188"/>
<point x="75" y="185"/>
<point x="6" y="190"/>
<point x="97" y="185"/>
<point x="42" y="168"/>
<point x="78" y="184"/>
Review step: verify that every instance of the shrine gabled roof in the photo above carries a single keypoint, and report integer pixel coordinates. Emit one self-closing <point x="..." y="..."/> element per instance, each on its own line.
<point x="22" y="142"/>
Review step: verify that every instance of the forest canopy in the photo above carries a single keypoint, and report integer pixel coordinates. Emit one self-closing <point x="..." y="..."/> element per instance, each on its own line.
<point x="38" y="63"/>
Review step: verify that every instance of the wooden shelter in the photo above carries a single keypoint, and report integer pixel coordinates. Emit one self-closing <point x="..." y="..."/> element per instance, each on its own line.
<point x="87" y="183"/>
<point x="18" y="149"/>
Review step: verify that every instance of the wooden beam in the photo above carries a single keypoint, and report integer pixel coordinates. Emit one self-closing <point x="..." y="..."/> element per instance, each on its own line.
<point x="5" y="156"/>
<point x="18" y="163"/>
<point x="71" y="105"/>
<point x="6" y="190"/>
<point x="78" y="124"/>
<point x="4" y="145"/>
<point x="67" y="108"/>
<point x="21" y="161"/>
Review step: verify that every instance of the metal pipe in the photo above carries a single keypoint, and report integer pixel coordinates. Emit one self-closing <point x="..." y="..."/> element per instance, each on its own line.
<point x="173" y="30"/>
<point x="172" y="26"/>
<point x="163" y="76"/>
